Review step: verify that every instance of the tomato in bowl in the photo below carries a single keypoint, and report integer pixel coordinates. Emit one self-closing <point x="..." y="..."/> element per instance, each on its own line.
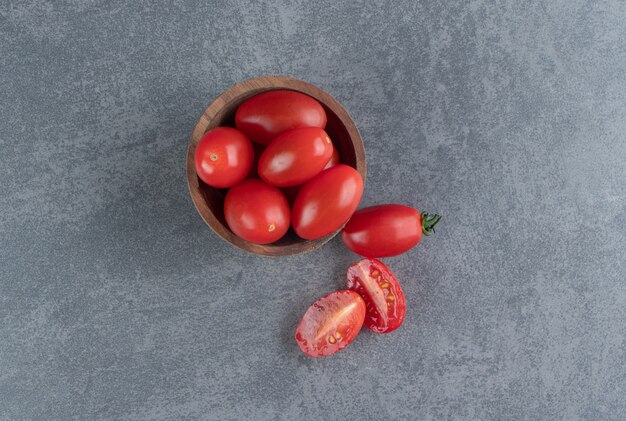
<point x="209" y="200"/>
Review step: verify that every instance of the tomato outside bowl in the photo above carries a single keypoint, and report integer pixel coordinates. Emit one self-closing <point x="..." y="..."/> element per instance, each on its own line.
<point x="209" y="201"/>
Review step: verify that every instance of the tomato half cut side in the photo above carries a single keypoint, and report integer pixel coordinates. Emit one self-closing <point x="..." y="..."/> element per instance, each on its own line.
<point x="330" y="323"/>
<point x="381" y="291"/>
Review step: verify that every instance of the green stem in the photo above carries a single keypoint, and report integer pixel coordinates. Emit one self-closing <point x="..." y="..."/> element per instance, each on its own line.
<point x="428" y="222"/>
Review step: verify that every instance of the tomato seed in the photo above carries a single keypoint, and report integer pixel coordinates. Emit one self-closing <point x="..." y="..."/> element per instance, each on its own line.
<point x="391" y="297"/>
<point x="384" y="285"/>
<point x="331" y="339"/>
<point x="375" y="273"/>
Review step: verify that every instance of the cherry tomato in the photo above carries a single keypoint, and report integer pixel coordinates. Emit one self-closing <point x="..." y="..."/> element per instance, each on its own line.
<point x="331" y="323"/>
<point x="223" y="157"/>
<point x="265" y="116"/>
<point x="292" y="192"/>
<point x="387" y="230"/>
<point x="257" y="212"/>
<point x="334" y="160"/>
<point x="295" y="157"/>
<point x="327" y="201"/>
<point x="384" y="299"/>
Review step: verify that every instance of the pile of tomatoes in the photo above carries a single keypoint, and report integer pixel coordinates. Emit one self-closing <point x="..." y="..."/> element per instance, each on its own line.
<point x="297" y="180"/>
<point x="282" y="170"/>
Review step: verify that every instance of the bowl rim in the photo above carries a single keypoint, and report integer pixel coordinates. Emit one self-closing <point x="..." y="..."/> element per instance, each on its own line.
<point x="249" y="88"/>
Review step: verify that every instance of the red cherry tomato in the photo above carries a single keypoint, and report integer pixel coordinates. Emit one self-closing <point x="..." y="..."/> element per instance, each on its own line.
<point x="292" y="192"/>
<point x="257" y="212"/>
<point x="382" y="294"/>
<point x="334" y="160"/>
<point x="386" y="230"/>
<point x="295" y="157"/>
<point x="265" y="116"/>
<point x="223" y="157"/>
<point x="327" y="201"/>
<point x="330" y="324"/>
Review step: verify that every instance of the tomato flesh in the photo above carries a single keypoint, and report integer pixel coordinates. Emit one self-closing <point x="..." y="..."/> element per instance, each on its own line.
<point x="257" y="212"/>
<point x="330" y="323"/>
<point x="381" y="291"/>
<point x="265" y="116"/>
<point x="382" y="231"/>
<point x="295" y="157"/>
<point x="327" y="201"/>
<point x="223" y="157"/>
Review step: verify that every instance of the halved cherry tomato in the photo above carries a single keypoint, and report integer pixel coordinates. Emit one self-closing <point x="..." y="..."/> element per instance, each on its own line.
<point x="331" y="323"/>
<point x="265" y="116"/>
<point x="382" y="293"/>
<point x="387" y="230"/>
<point x="223" y="157"/>
<point x="334" y="160"/>
<point x="327" y="201"/>
<point x="257" y="212"/>
<point x="295" y="157"/>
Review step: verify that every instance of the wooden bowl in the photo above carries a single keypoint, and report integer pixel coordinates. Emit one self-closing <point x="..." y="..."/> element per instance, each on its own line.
<point x="210" y="201"/>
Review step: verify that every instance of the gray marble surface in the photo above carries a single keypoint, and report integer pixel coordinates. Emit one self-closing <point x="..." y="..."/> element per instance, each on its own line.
<point x="117" y="302"/>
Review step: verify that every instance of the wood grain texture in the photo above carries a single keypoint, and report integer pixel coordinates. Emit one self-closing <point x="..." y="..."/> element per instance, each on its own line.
<point x="209" y="201"/>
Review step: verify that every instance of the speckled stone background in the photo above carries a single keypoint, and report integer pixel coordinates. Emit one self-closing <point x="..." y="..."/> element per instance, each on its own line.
<point x="117" y="302"/>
